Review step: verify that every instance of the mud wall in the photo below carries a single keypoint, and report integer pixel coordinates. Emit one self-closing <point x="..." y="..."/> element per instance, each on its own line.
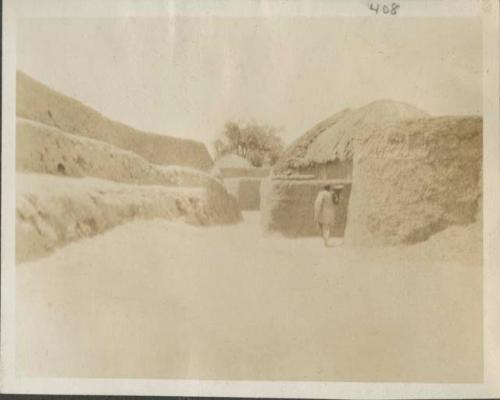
<point x="37" y="102"/>
<point x="246" y="191"/>
<point x="287" y="206"/>
<point x="44" y="149"/>
<point x="105" y="185"/>
<point x="414" y="178"/>
<point x="75" y="208"/>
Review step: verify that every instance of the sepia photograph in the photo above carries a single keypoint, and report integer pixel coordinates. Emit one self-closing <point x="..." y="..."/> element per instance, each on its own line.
<point x="271" y="198"/>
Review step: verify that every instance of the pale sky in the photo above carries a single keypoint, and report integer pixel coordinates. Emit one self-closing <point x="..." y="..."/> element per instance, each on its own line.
<point x="187" y="76"/>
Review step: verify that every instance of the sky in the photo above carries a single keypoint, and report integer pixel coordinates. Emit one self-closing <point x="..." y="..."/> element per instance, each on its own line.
<point x="187" y="76"/>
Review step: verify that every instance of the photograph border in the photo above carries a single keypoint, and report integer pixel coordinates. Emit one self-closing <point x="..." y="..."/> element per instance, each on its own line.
<point x="488" y="10"/>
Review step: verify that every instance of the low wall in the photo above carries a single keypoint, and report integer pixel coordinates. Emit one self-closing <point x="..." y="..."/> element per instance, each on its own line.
<point x="52" y="211"/>
<point x="414" y="178"/>
<point x="44" y="149"/>
<point x="287" y="206"/>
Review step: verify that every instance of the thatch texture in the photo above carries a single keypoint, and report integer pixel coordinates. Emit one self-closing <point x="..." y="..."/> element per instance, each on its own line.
<point x="37" y="102"/>
<point x="287" y="206"/>
<point x="414" y="178"/>
<point x="330" y="141"/>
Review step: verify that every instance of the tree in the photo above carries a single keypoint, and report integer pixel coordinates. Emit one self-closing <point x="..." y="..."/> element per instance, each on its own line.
<point x="259" y="144"/>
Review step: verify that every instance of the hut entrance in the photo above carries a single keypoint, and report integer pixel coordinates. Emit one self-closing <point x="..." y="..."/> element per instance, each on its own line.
<point x="343" y="206"/>
<point x="287" y="205"/>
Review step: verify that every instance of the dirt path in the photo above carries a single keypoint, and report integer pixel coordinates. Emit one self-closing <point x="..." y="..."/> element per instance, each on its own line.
<point x="156" y="299"/>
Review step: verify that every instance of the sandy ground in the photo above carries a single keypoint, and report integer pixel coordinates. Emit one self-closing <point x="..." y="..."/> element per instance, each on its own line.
<point x="159" y="299"/>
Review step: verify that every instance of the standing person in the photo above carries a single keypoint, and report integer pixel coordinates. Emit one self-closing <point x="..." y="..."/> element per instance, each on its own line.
<point x="325" y="208"/>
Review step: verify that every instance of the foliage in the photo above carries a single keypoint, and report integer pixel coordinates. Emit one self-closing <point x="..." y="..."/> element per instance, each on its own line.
<point x="259" y="144"/>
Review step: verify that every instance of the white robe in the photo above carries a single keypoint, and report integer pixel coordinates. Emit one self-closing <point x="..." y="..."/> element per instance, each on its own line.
<point x="324" y="208"/>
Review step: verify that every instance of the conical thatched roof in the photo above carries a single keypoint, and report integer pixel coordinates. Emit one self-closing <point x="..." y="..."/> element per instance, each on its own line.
<point x="332" y="138"/>
<point x="232" y="161"/>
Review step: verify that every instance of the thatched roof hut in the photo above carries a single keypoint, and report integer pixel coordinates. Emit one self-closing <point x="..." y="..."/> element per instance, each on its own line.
<point x="326" y="149"/>
<point x="324" y="154"/>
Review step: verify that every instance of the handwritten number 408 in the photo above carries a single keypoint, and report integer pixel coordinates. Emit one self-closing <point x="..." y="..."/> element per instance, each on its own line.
<point x="385" y="9"/>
